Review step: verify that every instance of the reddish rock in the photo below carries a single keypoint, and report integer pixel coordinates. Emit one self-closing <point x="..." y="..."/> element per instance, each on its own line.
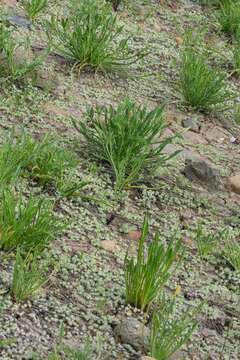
<point x="134" y="235"/>
<point x="234" y="183"/>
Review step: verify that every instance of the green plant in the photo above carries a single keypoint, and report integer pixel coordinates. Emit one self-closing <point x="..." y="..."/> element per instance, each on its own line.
<point x="42" y="159"/>
<point x="229" y="17"/>
<point x="90" y="36"/>
<point x="236" y="58"/>
<point x="169" y="333"/>
<point x="237" y="114"/>
<point x="232" y="254"/>
<point x="27" y="277"/>
<point x="207" y="241"/>
<point x="201" y="86"/>
<point x="26" y="224"/>
<point x="127" y="139"/>
<point x="146" y="274"/>
<point x="34" y="7"/>
<point x="10" y="66"/>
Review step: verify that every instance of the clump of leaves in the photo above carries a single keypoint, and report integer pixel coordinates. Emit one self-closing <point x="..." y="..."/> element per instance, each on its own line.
<point x="229" y="17"/>
<point x="28" y="278"/>
<point x="60" y="351"/>
<point x="168" y="332"/>
<point x="90" y="36"/>
<point x="207" y="241"/>
<point x="128" y="139"/>
<point x="236" y="58"/>
<point x="232" y="254"/>
<point x="27" y="224"/>
<point x="44" y="160"/>
<point x="148" y="272"/>
<point x="33" y="8"/>
<point x="11" y="68"/>
<point x="201" y="86"/>
<point x="237" y="114"/>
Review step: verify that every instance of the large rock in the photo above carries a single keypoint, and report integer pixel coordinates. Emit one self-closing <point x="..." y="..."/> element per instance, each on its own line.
<point x="133" y="332"/>
<point x="202" y="171"/>
<point x="234" y="183"/>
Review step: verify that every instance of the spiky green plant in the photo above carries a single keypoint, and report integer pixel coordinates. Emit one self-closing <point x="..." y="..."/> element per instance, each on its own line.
<point x="229" y="17"/>
<point x="148" y="272"/>
<point x="10" y="67"/>
<point x="42" y="159"/>
<point x="201" y="86"/>
<point x="33" y="8"/>
<point x="90" y="36"/>
<point x="28" y="278"/>
<point x="236" y="58"/>
<point x="206" y="241"/>
<point x="27" y="224"/>
<point x="232" y="254"/>
<point x="169" y="333"/>
<point x="128" y="139"/>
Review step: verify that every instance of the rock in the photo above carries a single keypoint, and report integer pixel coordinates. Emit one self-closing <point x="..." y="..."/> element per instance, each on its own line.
<point x="10" y="2"/>
<point x="179" y="40"/>
<point x="53" y="109"/>
<point x="45" y="80"/>
<point x="109" y="245"/>
<point x="134" y="235"/>
<point x="191" y="124"/>
<point x="19" y="21"/>
<point x="133" y="332"/>
<point x="203" y="171"/>
<point x="194" y="138"/>
<point x="234" y="183"/>
<point x="147" y="358"/>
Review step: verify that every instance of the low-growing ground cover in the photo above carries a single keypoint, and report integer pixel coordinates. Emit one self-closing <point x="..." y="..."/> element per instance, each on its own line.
<point x="67" y="299"/>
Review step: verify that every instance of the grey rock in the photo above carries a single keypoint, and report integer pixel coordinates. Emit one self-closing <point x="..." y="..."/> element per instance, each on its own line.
<point x="191" y="124"/>
<point x="19" y="21"/>
<point x="133" y="332"/>
<point x="202" y="171"/>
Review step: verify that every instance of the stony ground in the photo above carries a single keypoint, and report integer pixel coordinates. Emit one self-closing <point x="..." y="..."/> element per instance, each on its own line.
<point x="85" y="291"/>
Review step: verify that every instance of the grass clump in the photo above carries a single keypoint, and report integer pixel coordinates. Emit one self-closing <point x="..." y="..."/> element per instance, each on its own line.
<point x="229" y="17"/>
<point x="201" y="86"/>
<point x="90" y="36"/>
<point x="169" y="333"/>
<point x="43" y="160"/>
<point x="11" y="67"/>
<point x="27" y="224"/>
<point x="232" y="254"/>
<point x="146" y="274"/>
<point x="236" y="58"/>
<point x="33" y="8"/>
<point x="27" y="277"/>
<point x="127" y="139"/>
<point x="206" y="241"/>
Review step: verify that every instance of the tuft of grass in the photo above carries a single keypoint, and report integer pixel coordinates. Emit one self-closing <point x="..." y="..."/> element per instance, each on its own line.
<point x="232" y="254"/>
<point x="33" y="8"/>
<point x="207" y="241"/>
<point x="237" y="114"/>
<point x="44" y="160"/>
<point x="169" y="333"/>
<point x="10" y="67"/>
<point x="127" y="139"/>
<point x="90" y="36"/>
<point x="27" y="224"/>
<point x="27" y="277"/>
<point x="236" y="58"/>
<point x="146" y="274"/>
<point x="229" y="17"/>
<point x="201" y="86"/>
